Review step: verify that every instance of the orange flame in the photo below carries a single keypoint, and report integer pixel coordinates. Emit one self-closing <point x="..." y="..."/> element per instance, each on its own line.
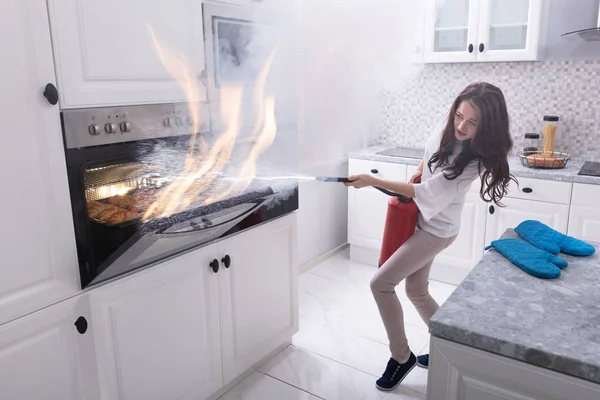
<point x="202" y="167"/>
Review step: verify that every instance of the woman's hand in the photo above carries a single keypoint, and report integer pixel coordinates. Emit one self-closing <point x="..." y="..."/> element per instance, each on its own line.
<point x="361" y="181"/>
<point x="416" y="176"/>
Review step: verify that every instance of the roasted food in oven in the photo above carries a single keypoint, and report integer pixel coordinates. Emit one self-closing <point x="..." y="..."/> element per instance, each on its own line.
<point x="124" y="201"/>
<point x="109" y="213"/>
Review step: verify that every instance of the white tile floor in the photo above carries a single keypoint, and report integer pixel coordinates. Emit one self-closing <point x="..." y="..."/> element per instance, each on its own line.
<point x="342" y="347"/>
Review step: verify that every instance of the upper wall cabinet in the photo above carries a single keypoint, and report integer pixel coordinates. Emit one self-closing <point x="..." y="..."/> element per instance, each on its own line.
<point x="113" y="52"/>
<point x="483" y="30"/>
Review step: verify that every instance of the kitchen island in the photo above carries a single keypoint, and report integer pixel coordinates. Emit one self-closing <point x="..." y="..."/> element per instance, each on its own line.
<point x="504" y="334"/>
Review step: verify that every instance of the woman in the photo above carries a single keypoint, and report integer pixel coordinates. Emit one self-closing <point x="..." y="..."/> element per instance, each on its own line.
<point x="475" y="142"/>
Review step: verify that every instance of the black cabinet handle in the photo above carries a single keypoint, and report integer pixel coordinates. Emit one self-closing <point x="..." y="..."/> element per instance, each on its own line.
<point x="226" y="261"/>
<point x="214" y="265"/>
<point x="471" y="47"/>
<point x="492" y="209"/>
<point x="374" y="171"/>
<point x="527" y="190"/>
<point x="51" y="94"/>
<point x="81" y="324"/>
<point x="481" y="47"/>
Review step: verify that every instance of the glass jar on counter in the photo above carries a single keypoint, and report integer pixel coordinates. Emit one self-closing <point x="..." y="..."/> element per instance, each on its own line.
<point x="532" y="143"/>
<point x="549" y="132"/>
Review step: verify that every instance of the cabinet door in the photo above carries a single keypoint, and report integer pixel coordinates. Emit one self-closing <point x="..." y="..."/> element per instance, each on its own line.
<point x="157" y="332"/>
<point x="39" y="260"/>
<point x="257" y="294"/>
<point x="458" y="372"/>
<point x="451" y="28"/>
<point x="516" y="211"/>
<point x="43" y="356"/>
<point x="509" y="30"/>
<point x="367" y="209"/>
<point x="467" y="249"/>
<point x="584" y="223"/>
<point x="105" y="53"/>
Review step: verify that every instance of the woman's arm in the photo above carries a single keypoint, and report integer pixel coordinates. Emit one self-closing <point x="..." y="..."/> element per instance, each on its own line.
<point x="361" y="181"/>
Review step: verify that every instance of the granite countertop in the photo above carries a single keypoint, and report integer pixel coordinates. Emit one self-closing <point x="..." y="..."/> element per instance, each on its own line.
<point x="567" y="174"/>
<point x="549" y="323"/>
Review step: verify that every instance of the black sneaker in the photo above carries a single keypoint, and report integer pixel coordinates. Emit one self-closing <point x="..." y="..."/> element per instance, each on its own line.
<point x="395" y="373"/>
<point x="423" y="361"/>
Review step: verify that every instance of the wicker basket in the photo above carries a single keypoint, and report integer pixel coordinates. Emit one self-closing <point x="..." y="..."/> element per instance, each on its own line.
<point x="544" y="159"/>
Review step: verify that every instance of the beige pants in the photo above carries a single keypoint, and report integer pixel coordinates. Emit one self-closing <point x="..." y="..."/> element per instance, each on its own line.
<point x="412" y="261"/>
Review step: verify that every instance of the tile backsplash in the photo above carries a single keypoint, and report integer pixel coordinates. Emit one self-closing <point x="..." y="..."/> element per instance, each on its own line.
<point x="569" y="89"/>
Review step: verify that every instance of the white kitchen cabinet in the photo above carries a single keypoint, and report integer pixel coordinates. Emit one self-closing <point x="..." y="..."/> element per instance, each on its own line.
<point x="367" y="207"/>
<point x="483" y="30"/>
<point x="584" y="223"/>
<point x="459" y="372"/>
<point x="181" y="331"/>
<point x="467" y="249"/>
<point x="257" y="294"/>
<point x="584" y="218"/>
<point x="39" y="260"/>
<point x="105" y="54"/>
<point x="157" y="332"/>
<point x="48" y="355"/>
<point x="499" y="219"/>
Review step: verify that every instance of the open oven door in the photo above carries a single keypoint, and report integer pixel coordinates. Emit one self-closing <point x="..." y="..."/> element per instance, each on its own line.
<point x="162" y="239"/>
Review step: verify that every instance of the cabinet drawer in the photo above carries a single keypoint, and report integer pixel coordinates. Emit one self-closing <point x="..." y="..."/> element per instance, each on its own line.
<point x="541" y="190"/>
<point x="586" y="195"/>
<point x="382" y="170"/>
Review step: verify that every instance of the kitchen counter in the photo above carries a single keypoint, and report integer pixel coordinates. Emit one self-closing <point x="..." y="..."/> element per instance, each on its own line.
<point x="548" y="323"/>
<point x="567" y="174"/>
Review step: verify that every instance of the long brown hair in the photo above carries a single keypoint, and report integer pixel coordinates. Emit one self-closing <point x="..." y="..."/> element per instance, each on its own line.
<point x="489" y="147"/>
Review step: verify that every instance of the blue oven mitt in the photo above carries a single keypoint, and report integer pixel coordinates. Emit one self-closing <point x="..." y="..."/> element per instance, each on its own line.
<point x="530" y="259"/>
<point x="554" y="242"/>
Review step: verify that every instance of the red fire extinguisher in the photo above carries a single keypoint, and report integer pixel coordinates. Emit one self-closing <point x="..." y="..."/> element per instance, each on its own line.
<point x="400" y="224"/>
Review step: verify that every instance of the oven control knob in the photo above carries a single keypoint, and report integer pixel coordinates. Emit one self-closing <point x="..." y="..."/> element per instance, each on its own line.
<point x="111" y="127"/>
<point x="95" y="129"/>
<point x="190" y="121"/>
<point x="125" y="126"/>
<point x="168" y="122"/>
<point x="178" y="121"/>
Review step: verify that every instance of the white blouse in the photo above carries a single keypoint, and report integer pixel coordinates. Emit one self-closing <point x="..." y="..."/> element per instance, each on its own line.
<point x="441" y="200"/>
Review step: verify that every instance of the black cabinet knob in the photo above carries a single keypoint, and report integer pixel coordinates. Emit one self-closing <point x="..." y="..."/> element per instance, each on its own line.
<point x="214" y="265"/>
<point x="527" y="190"/>
<point x="51" y="94"/>
<point x="492" y="209"/>
<point x="374" y="171"/>
<point x="226" y="261"/>
<point x="481" y="47"/>
<point x="471" y="48"/>
<point x="81" y="324"/>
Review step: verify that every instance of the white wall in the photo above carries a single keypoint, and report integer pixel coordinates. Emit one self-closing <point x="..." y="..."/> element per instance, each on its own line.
<point x="348" y="50"/>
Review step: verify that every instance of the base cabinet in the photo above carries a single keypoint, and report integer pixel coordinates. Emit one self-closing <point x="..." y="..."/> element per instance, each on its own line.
<point x="157" y="334"/>
<point x="183" y="331"/>
<point x="257" y="295"/>
<point x="49" y="355"/>
<point x="568" y="208"/>
<point x="458" y="372"/>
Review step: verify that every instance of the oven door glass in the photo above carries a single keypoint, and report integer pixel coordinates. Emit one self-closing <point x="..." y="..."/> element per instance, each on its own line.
<point x="151" y="244"/>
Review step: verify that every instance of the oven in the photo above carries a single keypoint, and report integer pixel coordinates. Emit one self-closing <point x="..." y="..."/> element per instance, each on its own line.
<point x="125" y="168"/>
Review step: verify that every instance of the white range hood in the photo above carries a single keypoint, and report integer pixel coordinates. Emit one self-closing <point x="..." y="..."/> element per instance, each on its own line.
<point x="591" y="34"/>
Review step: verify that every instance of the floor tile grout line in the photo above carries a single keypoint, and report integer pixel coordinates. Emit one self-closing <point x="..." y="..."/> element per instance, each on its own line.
<point x="334" y="360"/>
<point x="292" y="385"/>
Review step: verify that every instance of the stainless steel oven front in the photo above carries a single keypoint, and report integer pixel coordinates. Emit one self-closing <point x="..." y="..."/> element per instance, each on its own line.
<point x="121" y="163"/>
